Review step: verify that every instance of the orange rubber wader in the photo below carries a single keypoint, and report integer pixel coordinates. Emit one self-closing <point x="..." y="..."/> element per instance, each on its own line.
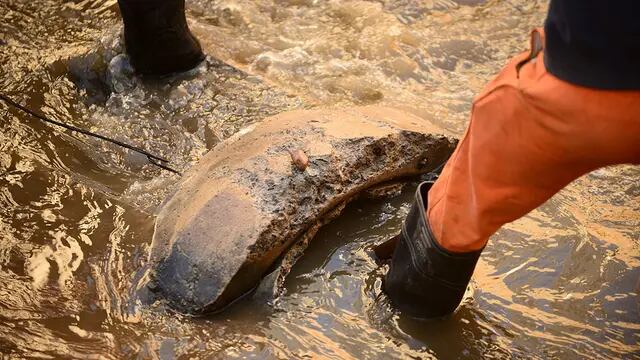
<point x="530" y="135"/>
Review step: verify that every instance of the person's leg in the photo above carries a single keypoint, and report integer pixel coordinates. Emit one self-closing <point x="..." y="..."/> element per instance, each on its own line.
<point x="157" y="37"/>
<point x="529" y="136"/>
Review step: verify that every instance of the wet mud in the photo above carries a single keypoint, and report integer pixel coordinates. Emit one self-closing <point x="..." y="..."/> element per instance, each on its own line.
<point x="77" y="216"/>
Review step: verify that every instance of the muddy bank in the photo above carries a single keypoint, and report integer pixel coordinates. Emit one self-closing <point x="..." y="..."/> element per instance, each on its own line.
<point x="249" y="199"/>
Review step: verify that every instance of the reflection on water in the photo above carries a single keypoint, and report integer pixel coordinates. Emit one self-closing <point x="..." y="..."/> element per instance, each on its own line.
<point x="76" y="215"/>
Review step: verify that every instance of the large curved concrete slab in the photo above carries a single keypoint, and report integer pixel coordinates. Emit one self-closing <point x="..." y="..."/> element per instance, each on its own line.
<point x="249" y="199"/>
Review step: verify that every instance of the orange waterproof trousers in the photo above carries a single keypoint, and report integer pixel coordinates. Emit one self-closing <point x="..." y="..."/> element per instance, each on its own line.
<point x="530" y="135"/>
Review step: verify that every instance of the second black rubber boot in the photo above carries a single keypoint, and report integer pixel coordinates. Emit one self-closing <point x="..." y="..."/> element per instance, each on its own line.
<point x="425" y="280"/>
<point x="157" y="37"/>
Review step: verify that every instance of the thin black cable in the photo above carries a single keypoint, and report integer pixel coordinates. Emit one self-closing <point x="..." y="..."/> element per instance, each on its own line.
<point x="152" y="158"/>
<point x="162" y="166"/>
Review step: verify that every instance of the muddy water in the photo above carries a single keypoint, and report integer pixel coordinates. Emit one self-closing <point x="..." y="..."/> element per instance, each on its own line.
<point x="76" y="215"/>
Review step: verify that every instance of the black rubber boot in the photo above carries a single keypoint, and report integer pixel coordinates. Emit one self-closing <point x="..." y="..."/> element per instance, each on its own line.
<point x="157" y="37"/>
<point x="425" y="281"/>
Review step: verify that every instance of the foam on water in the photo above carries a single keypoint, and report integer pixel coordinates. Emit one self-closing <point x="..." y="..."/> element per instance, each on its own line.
<point x="76" y="214"/>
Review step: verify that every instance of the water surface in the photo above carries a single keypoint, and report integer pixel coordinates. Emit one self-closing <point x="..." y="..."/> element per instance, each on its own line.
<point x="76" y="215"/>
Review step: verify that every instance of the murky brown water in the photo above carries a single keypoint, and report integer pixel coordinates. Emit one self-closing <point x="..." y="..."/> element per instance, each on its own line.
<point x="76" y="215"/>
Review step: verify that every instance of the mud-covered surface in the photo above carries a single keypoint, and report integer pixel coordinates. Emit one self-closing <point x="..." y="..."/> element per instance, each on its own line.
<point x="238" y="211"/>
<point x="76" y="215"/>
